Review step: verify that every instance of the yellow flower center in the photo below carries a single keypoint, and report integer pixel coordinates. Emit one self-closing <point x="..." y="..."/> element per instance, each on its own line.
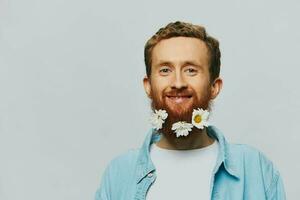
<point x="197" y="118"/>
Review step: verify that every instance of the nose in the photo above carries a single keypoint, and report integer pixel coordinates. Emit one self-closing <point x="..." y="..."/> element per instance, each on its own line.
<point x="179" y="82"/>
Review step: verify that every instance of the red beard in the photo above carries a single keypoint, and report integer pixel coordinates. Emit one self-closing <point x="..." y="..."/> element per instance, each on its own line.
<point x="178" y="112"/>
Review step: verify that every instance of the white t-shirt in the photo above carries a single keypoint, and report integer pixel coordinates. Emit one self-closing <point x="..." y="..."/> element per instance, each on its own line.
<point x="182" y="174"/>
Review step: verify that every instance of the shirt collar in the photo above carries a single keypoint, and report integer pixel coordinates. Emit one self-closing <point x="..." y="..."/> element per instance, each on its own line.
<point x="145" y="165"/>
<point x="225" y="155"/>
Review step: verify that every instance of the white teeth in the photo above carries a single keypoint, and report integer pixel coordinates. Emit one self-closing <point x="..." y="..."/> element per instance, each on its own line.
<point x="178" y="99"/>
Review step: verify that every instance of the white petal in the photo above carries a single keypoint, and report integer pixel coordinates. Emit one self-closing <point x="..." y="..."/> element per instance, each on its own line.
<point x="182" y="128"/>
<point x="179" y="133"/>
<point x="199" y="126"/>
<point x="161" y="114"/>
<point x="186" y="133"/>
<point x="176" y="126"/>
<point x="205" y="114"/>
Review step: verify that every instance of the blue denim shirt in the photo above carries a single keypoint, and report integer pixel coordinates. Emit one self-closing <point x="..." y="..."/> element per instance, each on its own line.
<point x="241" y="173"/>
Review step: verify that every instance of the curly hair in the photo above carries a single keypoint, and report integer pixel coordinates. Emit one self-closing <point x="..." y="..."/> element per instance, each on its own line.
<point x="177" y="29"/>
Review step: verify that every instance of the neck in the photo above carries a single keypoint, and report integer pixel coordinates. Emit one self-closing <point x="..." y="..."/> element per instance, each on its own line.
<point x="195" y="140"/>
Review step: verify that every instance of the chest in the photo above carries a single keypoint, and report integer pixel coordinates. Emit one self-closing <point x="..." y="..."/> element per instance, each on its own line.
<point x="181" y="180"/>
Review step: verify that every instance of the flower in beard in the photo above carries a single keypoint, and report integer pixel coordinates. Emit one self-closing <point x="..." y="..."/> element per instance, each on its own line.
<point x="182" y="128"/>
<point x="158" y="118"/>
<point x="200" y="118"/>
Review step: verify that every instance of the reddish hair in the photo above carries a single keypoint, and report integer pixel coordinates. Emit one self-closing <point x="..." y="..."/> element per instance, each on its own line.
<point x="177" y="29"/>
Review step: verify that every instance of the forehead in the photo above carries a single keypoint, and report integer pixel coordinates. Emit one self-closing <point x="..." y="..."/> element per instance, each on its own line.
<point x="180" y="50"/>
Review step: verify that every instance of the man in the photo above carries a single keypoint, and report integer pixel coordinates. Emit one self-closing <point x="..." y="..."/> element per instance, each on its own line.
<point x="183" y="157"/>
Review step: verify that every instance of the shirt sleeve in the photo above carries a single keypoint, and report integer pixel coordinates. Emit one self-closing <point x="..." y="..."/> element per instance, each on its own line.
<point x="103" y="192"/>
<point x="277" y="191"/>
<point x="272" y="179"/>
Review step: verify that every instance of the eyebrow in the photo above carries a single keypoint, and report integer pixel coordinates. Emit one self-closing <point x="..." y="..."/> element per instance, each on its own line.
<point x="162" y="62"/>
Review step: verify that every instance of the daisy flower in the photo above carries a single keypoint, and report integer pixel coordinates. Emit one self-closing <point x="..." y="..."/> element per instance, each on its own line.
<point x="158" y="118"/>
<point x="182" y="128"/>
<point x="200" y="118"/>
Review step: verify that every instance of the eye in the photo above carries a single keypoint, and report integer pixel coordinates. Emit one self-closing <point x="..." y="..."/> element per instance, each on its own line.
<point x="191" y="71"/>
<point x="164" y="70"/>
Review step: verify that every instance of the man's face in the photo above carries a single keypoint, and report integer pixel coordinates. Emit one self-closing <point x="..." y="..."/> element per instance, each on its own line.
<point x="179" y="80"/>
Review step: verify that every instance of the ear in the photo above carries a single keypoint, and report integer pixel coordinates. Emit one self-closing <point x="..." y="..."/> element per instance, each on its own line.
<point x="147" y="86"/>
<point x="216" y="87"/>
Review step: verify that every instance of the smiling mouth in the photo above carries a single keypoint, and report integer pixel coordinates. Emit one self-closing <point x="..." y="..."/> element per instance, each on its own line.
<point x="179" y="99"/>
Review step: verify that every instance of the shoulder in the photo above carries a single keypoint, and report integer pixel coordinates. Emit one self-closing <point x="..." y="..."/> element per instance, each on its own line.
<point x="122" y="168"/>
<point x="118" y="173"/>
<point x="245" y="151"/>
<point x="124" y="160"/>
<point x="249" y="153"/>
<point x="255" y="163"/>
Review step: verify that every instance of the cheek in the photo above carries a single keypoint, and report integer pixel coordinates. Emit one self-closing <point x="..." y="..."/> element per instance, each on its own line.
<point x="157" y="91"/>
<point x="201" y="88"/>
<point x="160" y="84"/>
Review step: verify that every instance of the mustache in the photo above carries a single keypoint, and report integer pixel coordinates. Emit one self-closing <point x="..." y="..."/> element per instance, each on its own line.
<point x="179" y="93"/>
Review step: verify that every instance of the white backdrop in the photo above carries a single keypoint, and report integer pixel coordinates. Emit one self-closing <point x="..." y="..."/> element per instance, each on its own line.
<point x="71" y="94"/>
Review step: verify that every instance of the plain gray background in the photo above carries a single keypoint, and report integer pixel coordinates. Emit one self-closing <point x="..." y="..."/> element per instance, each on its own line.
<point x="72" y="96"/>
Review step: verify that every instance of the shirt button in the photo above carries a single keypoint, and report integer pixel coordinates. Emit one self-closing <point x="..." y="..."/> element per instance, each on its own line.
<point x="150" y="174"/>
